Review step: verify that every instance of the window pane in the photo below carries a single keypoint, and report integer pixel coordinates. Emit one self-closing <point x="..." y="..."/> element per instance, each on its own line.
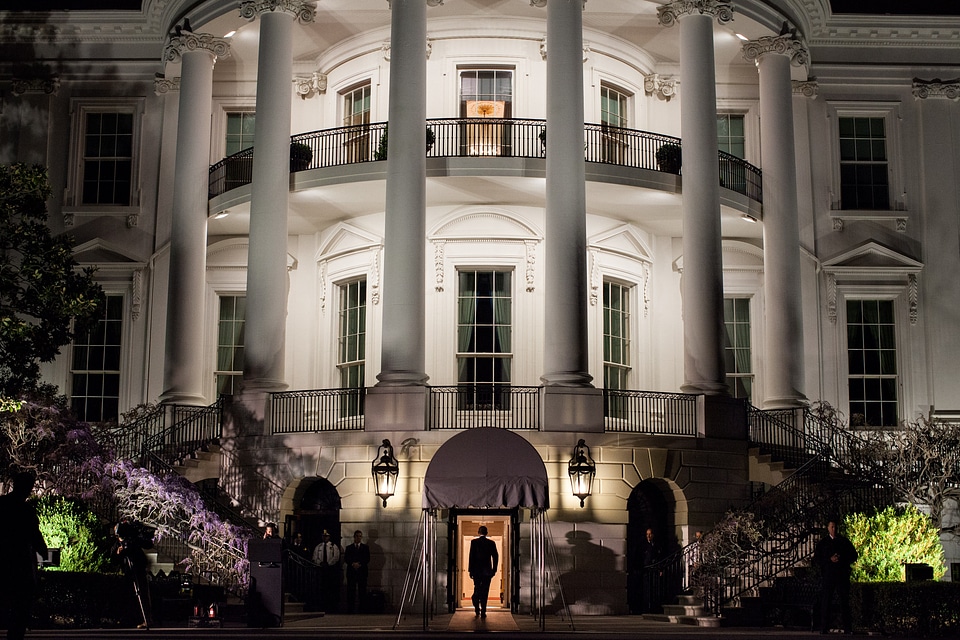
<point x="616" y="341"/>
<point x="351" y="338"/>
<point x="863" y="163"/>
<point x="95" y="371"/>
<point x="484" y="326"/>
<point x="872" y="363"/>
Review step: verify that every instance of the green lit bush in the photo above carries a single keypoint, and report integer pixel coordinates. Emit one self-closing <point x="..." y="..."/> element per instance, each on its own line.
<point x="70" y="526"/>
<point x="888" y="539"/>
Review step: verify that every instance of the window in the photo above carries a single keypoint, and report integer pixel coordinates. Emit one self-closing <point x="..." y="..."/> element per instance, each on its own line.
<point x="230" y="337"/>
<point x="864" y="175"/>
<point x="486" y="94"/>
<point x="351" y="342"/>
<point x="736" y="346"/>
<point x="356" y="114"/>
<point x="872" y="363"/>
<point x="484" y="339"/>
<point x="616" y="345"/>
<point x="240" y="127"/>
<point x="730" y="134"/>
<point x="107" y="158"/>
<point x="613" y="116"/>
<point x="95" y="366"/>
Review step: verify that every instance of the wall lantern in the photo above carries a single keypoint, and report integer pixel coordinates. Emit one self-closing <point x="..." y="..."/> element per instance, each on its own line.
<point x="385" y="471"/>
<point x="582" y="470"/>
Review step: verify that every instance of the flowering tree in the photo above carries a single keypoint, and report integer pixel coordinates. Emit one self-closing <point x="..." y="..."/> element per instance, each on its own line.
<point x="170" y="503"/>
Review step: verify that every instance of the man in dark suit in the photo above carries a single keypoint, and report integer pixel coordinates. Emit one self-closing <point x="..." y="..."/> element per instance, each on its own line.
<point x="834" y="555"/>
<point x="484" y="561"/>
<point x="356" y="556"/>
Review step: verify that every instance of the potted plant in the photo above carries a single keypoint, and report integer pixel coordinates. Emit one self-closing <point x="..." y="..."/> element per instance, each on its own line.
<point x="300" y="156"/>
<point x="669" y="158"/>
<point x="381" y="152"/>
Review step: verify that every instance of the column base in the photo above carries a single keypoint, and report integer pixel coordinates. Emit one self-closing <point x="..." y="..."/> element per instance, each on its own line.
<point x="402" y="378"/>
<point x="182" y="397"/>
<point x="573" y="409"/>
<point x="798" y="401"/>
<point x="706" y="388"/>
<point x="396" y="408"/>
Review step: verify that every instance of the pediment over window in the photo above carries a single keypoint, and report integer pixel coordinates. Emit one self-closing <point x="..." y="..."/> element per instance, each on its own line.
<point x="101" y="252"/>
<point x="233" y="254"/>
<point x="872" y="257"/>
<point x="345" y="238"/>
<point x="484" y="224"/>
<point x="624" y="240"/>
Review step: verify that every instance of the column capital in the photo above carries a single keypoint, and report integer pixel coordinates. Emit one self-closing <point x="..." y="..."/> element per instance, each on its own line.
<point x="162" y="85"/>
<point x="808" y="88"/>
<point x="664" y="87"/>
<point x="311" y="85"/>
<point x="40" y="82"/>
<point x="185" y="42"/>
<point x="542" y="3"/>
<point x="430" y="3"/>
<point x="786" y="44"/>
<point x="936" y="88"/>
<point x="668" y="14"/>
<point x="302" y="11"/>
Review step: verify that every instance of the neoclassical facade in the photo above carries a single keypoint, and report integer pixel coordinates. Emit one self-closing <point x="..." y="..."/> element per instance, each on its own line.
<point x="519" y="253"/>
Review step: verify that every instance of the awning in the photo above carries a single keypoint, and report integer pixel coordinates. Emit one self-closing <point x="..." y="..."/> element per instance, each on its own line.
<point x="486" y="468"/>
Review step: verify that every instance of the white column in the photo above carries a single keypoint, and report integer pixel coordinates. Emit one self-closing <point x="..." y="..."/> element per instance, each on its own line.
<point x="702" y="280"/>
<point x="565" y="358"/>
<point x="783" y="344"/>
<point x="404" y="261"/>
<point x="266" y="311"/>
<point x="183" y="351"/>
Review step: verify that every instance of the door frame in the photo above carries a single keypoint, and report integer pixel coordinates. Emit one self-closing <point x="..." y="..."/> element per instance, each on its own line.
<point x="453" y="554"/>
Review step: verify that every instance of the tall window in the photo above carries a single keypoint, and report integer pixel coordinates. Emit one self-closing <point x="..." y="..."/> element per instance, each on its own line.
<point x="872" y="363"/>
<point x="864" y="176"/>
<point x="484" y="348"/>
<point x="230" y="338"/>
<point x="736" y="346"/>
<point x="730" y="134"/>
<point x="107" y="158"/>
<point x="95" y="366"/>
<point x="240" y="127"/>
<point x="351" y="343"/>
<point x="356" y="113"/>
<point x="616" y="344"/>
<point x="486" y="94"/>
<point x="613" y="115"/>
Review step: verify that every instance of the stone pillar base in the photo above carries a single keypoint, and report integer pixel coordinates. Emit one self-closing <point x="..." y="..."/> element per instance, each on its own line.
<point x="574" y="409"/>
<point x="396" y="409"/>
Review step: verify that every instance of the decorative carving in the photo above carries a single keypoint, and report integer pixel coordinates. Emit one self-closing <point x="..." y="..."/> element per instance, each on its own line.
<point x="832" y="298"/>
<point x="787" y="44"/>
<point x="901" y="225"/>
<point x="913" y="292"/>
<point x="302" y="11"/>
<point x="543" y="47"/>
<point x="375" y="278"/>
<point x="133" y="219"/>
<point x="322" y="275"/>
<point x="595" y="279"/>
<point x="807" y="88"/>
<point x="838" y="224"/>
<point x="669" y="13"/>
<point x="538" y="3"/>
<point x="184" y="41"/>
<point x="68" y="218"/>
<point x="309" y="86"/>
<point x="936" y="88"/>
<point x="664" y="87"/>
<point x="47" y="83"/>
<point x="136" y="300"/>
<point x="530" y="247"/>
<point x="162" y="85"/>
<point x="438" y="246"/>
<point x="645" y="274"/>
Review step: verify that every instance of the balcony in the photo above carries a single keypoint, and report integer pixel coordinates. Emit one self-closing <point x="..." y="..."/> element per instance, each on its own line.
<point x="485" y="138"/>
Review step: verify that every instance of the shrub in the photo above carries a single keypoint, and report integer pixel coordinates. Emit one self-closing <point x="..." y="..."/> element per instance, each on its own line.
<point x="888" y="539"/>
<point x="923" y="609"/>
<point x="70" y="526"/>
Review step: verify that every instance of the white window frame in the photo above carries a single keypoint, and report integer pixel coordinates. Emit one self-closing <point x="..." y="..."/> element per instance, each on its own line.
<point x="890" y="112"/>
<point x="73" y="193"/>
<point x="218" y="130"/>
<point x="751" y="125"/>
<point x="125" y="332"/>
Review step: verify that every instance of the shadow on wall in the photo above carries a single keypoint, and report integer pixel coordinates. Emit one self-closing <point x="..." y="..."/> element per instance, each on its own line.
<point x="593" y="585"/>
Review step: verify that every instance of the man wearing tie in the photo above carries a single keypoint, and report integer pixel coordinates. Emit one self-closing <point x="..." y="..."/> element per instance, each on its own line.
<point x="356" y="557"/>
<point x="326" y="555"/>
<point x="484" y="561"/>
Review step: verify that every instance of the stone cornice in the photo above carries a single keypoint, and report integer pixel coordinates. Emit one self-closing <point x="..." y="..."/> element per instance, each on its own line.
<point x="302" y="11"/>
<point x="187" y="41"/>
<point x="669" y="13"/>
<point x="786" y="44"/>
<point x="936" y="88"/>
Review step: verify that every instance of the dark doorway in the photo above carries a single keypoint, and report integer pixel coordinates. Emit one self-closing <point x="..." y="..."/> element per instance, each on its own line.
<point x="648" y="508"/>
<point x="318" y="510"/>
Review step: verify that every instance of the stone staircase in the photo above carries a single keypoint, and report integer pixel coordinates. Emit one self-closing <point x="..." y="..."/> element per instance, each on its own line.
<point x="688" y="610"/>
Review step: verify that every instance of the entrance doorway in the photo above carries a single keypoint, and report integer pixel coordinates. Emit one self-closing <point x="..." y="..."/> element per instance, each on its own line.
<point x="503" y="529"/>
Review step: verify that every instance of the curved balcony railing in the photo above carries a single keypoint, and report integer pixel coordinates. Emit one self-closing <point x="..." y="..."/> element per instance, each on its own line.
<point x="479" y="138"/>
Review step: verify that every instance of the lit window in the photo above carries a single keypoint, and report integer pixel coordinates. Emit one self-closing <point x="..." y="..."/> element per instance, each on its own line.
<point x="351" y="351"/>
<point x="486" y="94"/>
<point x="613" y="117"/>
<point x="864" y="174"/>
<point x="736" y="346"/>
<point x="230" y="338"/>
<point x="872" y="363"/>
<point x="356" y="114"/>
<point x="95" y="369"/>
<point x="484" y="339"/>
<point x="730" y="134"/>
<point x="240" y="127"/>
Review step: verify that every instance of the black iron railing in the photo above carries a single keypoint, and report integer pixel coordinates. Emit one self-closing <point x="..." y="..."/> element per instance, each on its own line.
<point x="478" y="138"/>
<point x="650" y="412"/>
<point x="192" y="429"/>
<point x="467" y="406"/>
<point x="318" y="410"/>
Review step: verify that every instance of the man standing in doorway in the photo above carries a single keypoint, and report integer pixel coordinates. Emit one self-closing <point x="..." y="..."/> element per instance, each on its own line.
<point x="357" y="557"/>
<point x="484" y="561"/>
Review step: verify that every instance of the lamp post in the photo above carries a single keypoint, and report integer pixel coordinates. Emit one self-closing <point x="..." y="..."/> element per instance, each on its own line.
<point x="581" y="470"/>
<point x="385" y="470"/>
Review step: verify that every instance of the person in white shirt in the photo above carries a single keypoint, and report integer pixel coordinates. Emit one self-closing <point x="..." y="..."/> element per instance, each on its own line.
<point x="326" y="555"/>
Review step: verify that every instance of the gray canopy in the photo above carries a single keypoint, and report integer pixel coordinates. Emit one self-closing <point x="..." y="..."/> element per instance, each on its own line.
<point x="486" y="468"/>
